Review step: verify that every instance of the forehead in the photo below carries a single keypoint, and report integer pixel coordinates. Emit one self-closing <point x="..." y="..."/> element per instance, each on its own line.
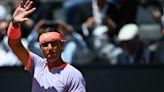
<point x="49" y="36"/>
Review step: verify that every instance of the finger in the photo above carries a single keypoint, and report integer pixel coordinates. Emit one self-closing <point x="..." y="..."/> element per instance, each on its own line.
<point x="27" y="2"/>
<point x="30" y="11"/>
<point x="29" y="5"/>
<point x="25" y="19"/>
<point x="20" y="4"/>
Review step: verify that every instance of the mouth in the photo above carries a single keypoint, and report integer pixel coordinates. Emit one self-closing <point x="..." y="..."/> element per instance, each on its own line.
<point x="51" y="54"/>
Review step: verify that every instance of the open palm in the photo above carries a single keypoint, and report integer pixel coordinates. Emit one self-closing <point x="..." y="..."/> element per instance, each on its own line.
<point x="22" y="11"/>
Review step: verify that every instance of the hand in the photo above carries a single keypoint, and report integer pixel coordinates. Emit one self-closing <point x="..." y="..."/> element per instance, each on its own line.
<point x="22" y="11"/>
<point x="109" y="23"/>
<point x="90" y="22"/>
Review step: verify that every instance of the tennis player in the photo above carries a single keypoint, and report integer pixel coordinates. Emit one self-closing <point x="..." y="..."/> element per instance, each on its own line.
<point x="50" y="74"/>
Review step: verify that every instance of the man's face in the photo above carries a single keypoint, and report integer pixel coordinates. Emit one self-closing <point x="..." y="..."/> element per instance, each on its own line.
<point x="131" y="45"/>
<point x="51" y="45"/>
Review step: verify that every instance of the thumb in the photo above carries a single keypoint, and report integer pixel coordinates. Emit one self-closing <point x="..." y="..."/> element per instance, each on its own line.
<point x="25" y="19"/>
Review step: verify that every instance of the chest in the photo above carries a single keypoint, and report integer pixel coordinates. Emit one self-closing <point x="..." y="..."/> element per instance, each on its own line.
<point x="48" y="81"/>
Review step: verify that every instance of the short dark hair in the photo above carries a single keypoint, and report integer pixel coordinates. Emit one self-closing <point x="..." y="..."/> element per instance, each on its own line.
<point x="53" y="27"/>
<point x="50" y="29"/>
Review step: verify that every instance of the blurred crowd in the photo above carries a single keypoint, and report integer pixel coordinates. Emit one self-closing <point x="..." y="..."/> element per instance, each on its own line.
<point x="95" y="31"/>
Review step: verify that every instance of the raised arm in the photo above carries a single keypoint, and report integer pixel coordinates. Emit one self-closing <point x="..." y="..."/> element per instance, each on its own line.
<point x="14" y="33"/>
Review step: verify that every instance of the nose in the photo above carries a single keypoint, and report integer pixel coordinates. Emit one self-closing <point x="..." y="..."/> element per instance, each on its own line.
<point x="50" y="46"/>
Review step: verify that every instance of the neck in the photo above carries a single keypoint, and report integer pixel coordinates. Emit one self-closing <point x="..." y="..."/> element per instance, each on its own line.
<point x="56" y="63"/>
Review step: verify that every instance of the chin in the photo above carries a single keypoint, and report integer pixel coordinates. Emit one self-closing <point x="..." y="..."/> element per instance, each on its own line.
<point x="52" y="59"/>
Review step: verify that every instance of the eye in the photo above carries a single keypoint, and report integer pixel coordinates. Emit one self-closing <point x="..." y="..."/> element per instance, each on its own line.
<point x="45" y="44"/>
<point x="55" y="43"/>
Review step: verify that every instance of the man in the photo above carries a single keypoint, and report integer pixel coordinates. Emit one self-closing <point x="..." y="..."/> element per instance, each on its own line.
<point x="50" y="74"/>
<point x="158" y="15"/>
<point x="135" y="51"/>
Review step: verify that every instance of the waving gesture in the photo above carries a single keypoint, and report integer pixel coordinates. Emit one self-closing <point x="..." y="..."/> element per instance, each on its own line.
<point x="22" y="11"/>
<point x="14" y="33"/>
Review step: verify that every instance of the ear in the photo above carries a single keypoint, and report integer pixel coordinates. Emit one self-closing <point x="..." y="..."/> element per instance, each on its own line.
<point x="62" y="41"/>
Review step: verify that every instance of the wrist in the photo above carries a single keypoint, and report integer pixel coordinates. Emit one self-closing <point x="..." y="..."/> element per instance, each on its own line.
<point x="13" y="33"/>
<point x="14" y="23"/>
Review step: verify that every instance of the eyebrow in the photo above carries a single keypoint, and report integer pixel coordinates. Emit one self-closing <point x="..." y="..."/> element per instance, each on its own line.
<point x="50" y="41"/>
